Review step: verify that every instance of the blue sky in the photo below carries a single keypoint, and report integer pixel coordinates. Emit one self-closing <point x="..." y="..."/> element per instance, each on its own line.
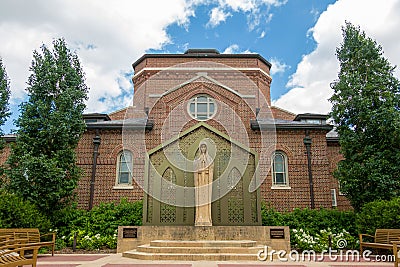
<point x="298" y="37"/>
<point x="284" y="37"/>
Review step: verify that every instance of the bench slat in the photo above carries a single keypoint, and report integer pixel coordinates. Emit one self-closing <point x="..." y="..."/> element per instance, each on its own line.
<point x="383" y="239"/>
<point x="32" y="235"/>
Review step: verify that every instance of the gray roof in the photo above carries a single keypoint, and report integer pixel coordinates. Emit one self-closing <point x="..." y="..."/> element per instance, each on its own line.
<point x="201" y="53"/>
<point x="134" y="124"/>
<point x="264" y="124"/>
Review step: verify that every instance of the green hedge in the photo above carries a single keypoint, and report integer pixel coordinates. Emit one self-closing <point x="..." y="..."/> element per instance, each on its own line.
<point x="96" y="228"/>
<point x="380" y="214"/>
<point x="315" y="229"/>
<point x="18" y="213"/>
<point x="312" y="220"/>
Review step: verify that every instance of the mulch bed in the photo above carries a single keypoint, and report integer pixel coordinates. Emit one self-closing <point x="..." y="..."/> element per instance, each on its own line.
<point x="82" y="251"/>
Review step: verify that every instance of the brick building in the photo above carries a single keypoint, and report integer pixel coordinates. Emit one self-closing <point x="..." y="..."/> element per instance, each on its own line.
<point x="181" y="99"/>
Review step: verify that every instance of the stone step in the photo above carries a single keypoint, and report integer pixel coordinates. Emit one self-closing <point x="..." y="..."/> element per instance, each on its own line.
<point x="203" y="243"/>
<point x="190" y="257"/>
<point x="199" y="249"/>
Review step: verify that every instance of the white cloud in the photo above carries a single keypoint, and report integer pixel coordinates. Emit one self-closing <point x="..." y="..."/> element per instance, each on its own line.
<point x="256" y="10"/>
<point x="107" y="37"/>
<point x="262" y="35"/>
<point x="232" y="49"/>
<point x="318" y="69"/>
<point x="217" y="16"/>
<point x="277" y="66"/>
<point x="235" y="49"/>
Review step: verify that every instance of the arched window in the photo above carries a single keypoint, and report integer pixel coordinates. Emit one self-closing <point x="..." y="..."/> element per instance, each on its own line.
<point x="202" y="107"/>
<point x="279" y="169"/>
<point x="125" y="165"/>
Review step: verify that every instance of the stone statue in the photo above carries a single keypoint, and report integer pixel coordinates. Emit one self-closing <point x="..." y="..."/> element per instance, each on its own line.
<point x="203" y="178"/>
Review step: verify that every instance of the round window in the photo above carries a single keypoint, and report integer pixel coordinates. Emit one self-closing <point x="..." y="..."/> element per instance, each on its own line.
<point x="202" y="107"/>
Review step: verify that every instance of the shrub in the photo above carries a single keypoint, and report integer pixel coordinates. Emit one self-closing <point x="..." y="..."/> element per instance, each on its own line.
<point x="379" y="214"/>
<point x="98" y="227"/>
<point x="310" y="229"/>
<point x="18" y="213"/>
<point x="312" y="220"/>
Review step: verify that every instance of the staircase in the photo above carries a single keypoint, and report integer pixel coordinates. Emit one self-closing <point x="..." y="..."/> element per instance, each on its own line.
<point x="211" y="250"/>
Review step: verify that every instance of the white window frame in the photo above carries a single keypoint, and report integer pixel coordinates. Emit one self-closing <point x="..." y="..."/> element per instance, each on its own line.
<point x="285" y="173"/>
<point x="118" y="184"/>
<point x="208" y="113"/>
<point x="334" y="197"/>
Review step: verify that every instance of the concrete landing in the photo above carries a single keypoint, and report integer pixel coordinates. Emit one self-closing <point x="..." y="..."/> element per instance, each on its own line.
<point x="116" y="260"/>
<point x="196" y="250"/>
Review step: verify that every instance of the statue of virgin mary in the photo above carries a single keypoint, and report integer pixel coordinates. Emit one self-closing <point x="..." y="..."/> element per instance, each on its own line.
<point x="203" y="178"/>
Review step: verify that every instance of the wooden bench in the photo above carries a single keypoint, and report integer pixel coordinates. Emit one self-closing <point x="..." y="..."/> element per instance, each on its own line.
<point x="12" y="253"/>
<point x="384" y="239"/>
<point x="32" y="235"/>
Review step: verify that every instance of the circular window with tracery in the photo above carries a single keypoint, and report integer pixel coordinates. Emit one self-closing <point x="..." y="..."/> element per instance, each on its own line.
<point x="202" y="107"/>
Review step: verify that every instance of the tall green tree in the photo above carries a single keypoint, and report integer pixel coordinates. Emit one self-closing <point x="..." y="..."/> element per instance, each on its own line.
<point x="366" y="109"/>
<point x="4" y="109"/>
<point x="4" y="98"/>
<point x="42" y="163"/>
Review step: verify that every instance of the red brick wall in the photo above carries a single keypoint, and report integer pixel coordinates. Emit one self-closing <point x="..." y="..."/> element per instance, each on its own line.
<point x="259" y="79"/>
<point x="106" y="172"/>
<point x="291" y="142"/>
<point x="335" y="156"/>
<point x="165" y="62"/>
<point x="282" y="114"/>
<point x="118" y="115"/>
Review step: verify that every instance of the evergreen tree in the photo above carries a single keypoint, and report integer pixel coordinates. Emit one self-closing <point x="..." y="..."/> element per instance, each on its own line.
<point x="42" y="162"/>
<point x="366" y="109"/>
<point x="4" y="97"/>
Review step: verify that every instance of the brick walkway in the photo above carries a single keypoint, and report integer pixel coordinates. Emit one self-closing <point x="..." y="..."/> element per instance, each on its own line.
<point x="116" y="260"/>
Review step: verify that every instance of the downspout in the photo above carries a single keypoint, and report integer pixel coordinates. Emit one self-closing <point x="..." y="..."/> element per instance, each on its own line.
<point x="96" y="144"/>
<point x="307" y="142"/>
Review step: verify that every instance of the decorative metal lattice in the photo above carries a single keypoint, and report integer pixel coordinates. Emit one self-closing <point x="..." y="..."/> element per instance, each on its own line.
<point x="235" y="197"/>
<point x="253" y="195"/>
<point x="168" y="194"/>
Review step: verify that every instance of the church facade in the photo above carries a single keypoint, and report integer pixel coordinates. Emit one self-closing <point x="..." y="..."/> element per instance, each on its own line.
<point x="260" y="153"/>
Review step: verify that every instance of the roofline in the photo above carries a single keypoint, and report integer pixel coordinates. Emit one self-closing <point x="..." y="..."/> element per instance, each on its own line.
<point x="284" y="110"/>
<point x="148" y="126"/>
<point x="96" y="116"/>
<point x="311" y="116"/>
<point x="256" y="125"/>
<point x="334" y="139"/>
<point x="200" y="55"/>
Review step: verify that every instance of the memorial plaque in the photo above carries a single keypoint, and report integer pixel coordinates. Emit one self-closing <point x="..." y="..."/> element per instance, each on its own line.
<point x="277" y="233"/>
<point x="129" y="233"/>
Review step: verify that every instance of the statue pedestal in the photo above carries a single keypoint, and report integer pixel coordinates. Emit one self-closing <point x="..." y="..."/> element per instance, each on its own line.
<point x="203" y="224"/>
<point x="135" y="237"/>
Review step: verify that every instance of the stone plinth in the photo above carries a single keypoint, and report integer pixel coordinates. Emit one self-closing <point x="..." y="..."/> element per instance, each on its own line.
<point x="276" y="237"/>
